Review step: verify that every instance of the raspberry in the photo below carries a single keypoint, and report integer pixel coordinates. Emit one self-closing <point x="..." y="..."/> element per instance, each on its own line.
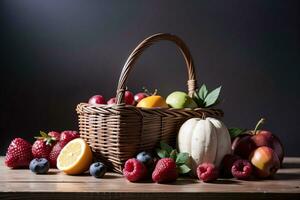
<point x="227" y="163"/>
<point x="207" y="172"/>
<point x="241" y="169"/>
<point x="134" y="170"/>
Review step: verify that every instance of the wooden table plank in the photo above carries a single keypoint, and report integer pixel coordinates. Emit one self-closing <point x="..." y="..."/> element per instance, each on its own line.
<point x="22" y="184"/>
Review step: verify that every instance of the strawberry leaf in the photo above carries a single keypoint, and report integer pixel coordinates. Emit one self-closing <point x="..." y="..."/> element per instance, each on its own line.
<point x="202" y="93"/>
<point x="234" y="132"/>
<point x="166" y="147"/>
<point x="183" y="169"/>
<point x="162" y="153"/>
<point x="182" y="158"/>
<point x="212" y="97"/>
<point x="173" y="154"/>
<point x="43" y="134"/>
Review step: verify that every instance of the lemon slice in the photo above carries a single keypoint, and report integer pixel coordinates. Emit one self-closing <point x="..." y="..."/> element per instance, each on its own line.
<point x="75" y="157"/>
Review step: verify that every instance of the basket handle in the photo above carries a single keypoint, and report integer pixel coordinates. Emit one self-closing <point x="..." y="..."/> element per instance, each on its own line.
<point x="191" y="83"/>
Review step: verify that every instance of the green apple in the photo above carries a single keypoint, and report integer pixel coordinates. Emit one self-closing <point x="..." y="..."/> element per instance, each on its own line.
<point x="179" y="99"/>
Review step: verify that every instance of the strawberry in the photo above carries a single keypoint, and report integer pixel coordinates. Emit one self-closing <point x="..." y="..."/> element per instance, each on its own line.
<point x="64" y="138"/>
<point x="18" y="154"/>
<point x="67" y="136"/>
<point x="54" y="153"/>
<point x="55" y="135"/>
<point x="170" y="164"/>
<point x="41" y="148"/>
<point x="165" y="171"/>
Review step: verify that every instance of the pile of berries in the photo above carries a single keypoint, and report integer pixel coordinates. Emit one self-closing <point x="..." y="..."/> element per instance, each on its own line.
<point x="43" y="154"/>
<point x="164" y="168"/>
<point x="40" y="156"/>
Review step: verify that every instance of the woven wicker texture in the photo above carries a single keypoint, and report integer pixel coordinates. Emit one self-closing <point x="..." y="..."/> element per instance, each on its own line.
<point x="118" y="132"/>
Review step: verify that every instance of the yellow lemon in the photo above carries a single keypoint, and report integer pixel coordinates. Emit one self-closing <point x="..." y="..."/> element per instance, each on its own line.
<point x="154" y="101"/>
<point x="75" y="157"/>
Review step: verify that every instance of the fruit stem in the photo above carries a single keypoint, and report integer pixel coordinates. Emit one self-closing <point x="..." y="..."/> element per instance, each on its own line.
<point x="149" y="93"/>
<point x="258" y="125"/>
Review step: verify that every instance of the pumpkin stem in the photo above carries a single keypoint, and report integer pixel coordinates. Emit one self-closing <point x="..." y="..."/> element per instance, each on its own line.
<point x="258" y="125"/>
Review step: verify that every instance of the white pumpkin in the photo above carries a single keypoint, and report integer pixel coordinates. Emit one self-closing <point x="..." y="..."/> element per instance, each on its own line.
<point x="206" y="140"/>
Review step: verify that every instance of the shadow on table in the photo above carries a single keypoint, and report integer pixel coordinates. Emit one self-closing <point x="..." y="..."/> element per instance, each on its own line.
<point x="291" y="165"/>
<point x="226" y="181"/>
<point x="109" y="176"/>
<point x="285" y="176"/>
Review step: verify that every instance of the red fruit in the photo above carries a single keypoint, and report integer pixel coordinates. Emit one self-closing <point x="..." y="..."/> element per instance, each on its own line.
<point x="129" y="99"/>
<point x="243" y="146"/>
<point x="18" y="154"/>
<point x="67" y="136"/>
<point x="40" y="149"/>
<point x="112" y="101"/>
<point x="97" y="99"/>
<point x="55" y="135"/>
<point x="241" y="169"/>
<point x="139" y="96"/>
<point x="265" y="162"/>
<point x="134" y="170"/>
<point x="207" y="172"/>
<point x="266" y="138"/>
<point x="165" y="171"/>
<point x="54" y="153"/>
<point x="227" y="163"/>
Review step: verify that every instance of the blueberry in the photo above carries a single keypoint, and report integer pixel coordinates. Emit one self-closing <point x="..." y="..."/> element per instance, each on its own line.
<point x="98" y="169"/>
<point x="39" y="165"/>
<point x="146" y="158"/>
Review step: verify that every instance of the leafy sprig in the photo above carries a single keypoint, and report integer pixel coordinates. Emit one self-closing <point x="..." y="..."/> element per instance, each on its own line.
<point x="205" y="98"/>
<point x="46" y="138"/>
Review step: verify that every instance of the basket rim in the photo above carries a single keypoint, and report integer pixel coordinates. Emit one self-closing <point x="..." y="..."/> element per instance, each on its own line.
<point x="141" y="108"/>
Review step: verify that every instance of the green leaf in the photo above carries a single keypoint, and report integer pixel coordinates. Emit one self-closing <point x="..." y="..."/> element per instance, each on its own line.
<point x="198" y="100"/>
<point x="173" y="154"/>
<point x="182" y="158"/>
<point x="43" y="134"/>
<point x="183" y="169"/>
<point x="166" y="147"/>
<point x="234" y="132"/>
<point x="203" y="92"/>
<point x="162" y="153"/>
<point x="212" y="97"/>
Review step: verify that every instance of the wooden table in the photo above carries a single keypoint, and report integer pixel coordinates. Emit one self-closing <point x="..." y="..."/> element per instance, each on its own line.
<point x="23" y="184"/>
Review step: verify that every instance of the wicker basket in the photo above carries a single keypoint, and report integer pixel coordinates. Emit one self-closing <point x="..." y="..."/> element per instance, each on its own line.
<point x="116" y="133"/>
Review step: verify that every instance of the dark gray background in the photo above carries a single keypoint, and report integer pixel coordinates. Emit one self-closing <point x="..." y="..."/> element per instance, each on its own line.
<point x="55" y="54"/>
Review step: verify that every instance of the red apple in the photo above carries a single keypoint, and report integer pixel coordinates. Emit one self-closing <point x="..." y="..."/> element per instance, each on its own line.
<point x="97" y="99"/>
<point x="266" y="138"/>
<point x="243" y="145"/>
<point x="129" y="99"/>
<point x="112" y="101"/>
<point x="139" y="96"/>
<point x="265" y="162"/>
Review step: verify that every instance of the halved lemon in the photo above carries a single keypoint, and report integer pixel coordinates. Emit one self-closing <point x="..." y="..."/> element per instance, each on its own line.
<point x="75" y="157"/>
